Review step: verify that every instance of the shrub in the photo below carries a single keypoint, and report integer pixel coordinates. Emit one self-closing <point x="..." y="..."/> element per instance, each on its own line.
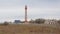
<point x="40" y="21"/>
<point x="6" y="23"/>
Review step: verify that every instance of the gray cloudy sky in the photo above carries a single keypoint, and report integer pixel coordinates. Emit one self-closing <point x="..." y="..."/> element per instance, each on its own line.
<point x="14" y="9"/>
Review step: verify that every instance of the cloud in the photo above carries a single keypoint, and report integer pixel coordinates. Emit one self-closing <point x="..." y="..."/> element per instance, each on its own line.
<point x="36" y="8"/>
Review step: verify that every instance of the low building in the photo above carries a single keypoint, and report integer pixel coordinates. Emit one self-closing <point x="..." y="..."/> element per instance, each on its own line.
<point x="17" y="21"/>
<point x="51" y="22"/>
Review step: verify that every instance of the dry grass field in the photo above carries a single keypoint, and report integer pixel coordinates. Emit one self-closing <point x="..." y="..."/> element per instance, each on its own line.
<point x="28" y="29"/>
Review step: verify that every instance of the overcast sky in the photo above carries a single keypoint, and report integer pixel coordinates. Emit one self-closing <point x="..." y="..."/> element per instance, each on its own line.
<point x="14" y="9"/>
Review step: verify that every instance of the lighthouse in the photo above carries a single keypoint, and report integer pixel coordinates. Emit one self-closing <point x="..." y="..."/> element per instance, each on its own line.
<point x="25" y="13"/>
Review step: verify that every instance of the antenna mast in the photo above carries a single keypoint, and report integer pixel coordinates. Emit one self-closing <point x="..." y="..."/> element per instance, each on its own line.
<point x="25" y="13"/>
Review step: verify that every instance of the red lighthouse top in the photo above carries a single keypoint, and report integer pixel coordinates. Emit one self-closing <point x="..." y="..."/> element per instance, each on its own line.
<point x="25" y="6"/>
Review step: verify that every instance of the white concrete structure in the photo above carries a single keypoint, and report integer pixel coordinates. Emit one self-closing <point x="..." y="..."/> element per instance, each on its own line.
<point x="51" y="22"/>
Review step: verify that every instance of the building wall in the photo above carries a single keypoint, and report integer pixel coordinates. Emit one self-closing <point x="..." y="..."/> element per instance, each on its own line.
<point x="50" y="22"/>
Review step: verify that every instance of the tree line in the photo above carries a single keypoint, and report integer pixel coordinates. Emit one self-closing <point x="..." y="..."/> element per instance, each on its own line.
<point x="36" y="21"/>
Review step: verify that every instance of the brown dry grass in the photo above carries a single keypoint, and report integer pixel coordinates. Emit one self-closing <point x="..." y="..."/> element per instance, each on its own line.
<point x="28" y="29"/>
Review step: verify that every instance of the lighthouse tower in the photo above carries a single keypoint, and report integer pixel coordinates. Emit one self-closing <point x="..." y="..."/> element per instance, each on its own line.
<point x="25" y="13"/>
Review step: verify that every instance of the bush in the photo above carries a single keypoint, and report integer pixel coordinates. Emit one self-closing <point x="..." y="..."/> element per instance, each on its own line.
<point x="31" y="21"/>
<point x="59" y="21"/>
<point x="40" y="21"/>
<point x="6" y="23"/>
